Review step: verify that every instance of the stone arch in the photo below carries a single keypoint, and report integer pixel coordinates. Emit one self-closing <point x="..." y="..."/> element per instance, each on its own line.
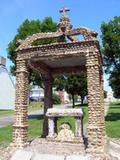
<point x="85" y="32"/>
<point x="27" y="43"/>
<point x="70" y="34"/>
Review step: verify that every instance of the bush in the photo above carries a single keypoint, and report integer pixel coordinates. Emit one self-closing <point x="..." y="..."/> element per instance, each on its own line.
<point x="56" y="99"/>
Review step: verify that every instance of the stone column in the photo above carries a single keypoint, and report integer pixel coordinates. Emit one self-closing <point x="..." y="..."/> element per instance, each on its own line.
<point x="20" y="125"/>
<point x="78" y="127"/>
<point x="51" y="127"/>
<point x="47" y="101"/>
<point x="96" y="121"/>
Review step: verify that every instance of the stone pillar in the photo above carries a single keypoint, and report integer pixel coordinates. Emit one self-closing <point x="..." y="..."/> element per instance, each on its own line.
<point x="20" y="125"/>
<point x="47" y="101"/>
<point x="78" y="127"/>
<point x="51" y="127"/>
<point x="95" y="110"/>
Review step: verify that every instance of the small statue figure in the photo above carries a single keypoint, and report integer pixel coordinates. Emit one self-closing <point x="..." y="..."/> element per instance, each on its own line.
<point x="65" y="133"/>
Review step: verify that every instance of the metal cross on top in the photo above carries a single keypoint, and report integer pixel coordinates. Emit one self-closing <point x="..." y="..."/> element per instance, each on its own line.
<point x="64" y="10"/>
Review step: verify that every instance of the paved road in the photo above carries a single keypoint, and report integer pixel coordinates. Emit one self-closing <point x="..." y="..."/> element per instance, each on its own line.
<point x="4" y="121"/>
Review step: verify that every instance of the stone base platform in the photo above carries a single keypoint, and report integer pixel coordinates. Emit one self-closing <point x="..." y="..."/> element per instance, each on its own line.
<point x="28" y="155"/>
<point x="42" y="149"/>
<point x="75" y="140"/>
<point x="44" y="146"/>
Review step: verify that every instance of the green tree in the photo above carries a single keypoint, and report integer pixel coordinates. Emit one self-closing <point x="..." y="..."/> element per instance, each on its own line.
<point x="105" y="94"/>
<point x="76" y="85"/>
<point x="73" y="84"/>
<point x="56" y="99"/>
<point x="114" y="82"/>
<point x="111" y="52"/>
<point x="82" y="86"/>
<point x="70" y="87"/>
<point x="111" y="43"/>
<point x="59" y="82"/>
<point x="28" y="28"/>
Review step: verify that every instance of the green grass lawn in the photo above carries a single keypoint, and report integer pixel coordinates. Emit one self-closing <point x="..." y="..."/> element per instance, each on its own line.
<point x="32" y="107"/>
<point x="71" y="120"/>
<point x="35" y="129"/>
<point x="6" y="112"/>
<point x="5" y="135"/>
<point x="36" y="124"/>
<point x="113" y="120"/>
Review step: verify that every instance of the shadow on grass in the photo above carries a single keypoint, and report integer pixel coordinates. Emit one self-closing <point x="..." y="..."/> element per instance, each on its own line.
<point x="116" y="107"/>
<point x="38" y="117"/>
<point x="83" y="105"/>
<point x="117" y="104"/>
<point x="112" y="117"/>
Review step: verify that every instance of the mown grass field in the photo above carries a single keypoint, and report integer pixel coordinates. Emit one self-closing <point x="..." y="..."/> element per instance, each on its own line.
<point x="36" y="124"/>
<point x="113" y="120"/>
<point x="33" y="106"/>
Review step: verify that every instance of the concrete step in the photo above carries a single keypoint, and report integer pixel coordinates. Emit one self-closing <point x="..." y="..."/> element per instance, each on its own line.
<point x="48" y="157"/>
<point x="114" y="150"/>
<point x="77" y="157"/>
<point x="27" y="155"/>
<point x="22" y="155"/>
<point x="43" y="146"/>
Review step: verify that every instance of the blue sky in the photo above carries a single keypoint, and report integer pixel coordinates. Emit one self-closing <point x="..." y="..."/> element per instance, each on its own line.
<point x="89" y="13"/>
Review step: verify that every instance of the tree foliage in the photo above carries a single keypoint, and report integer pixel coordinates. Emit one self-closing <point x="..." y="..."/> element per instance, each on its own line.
<point x="59" y="82"/>
<point x="56" y="99"/>
<point x="28" y="28"/>
<point x="111" y="43"/>
<point x="82" y="86"/>
<point x="70" y="86"/>
<point x="111" y="52"/>
<point x="105" y="94"/>
<point x="114" y="82"/>
<point x="73" y="84"/>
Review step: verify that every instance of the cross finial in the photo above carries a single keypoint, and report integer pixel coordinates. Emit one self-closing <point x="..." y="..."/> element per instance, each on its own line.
<point x="64" y="11"/>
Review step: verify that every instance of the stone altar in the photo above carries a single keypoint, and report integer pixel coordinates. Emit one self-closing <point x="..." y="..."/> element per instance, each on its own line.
<point x="52" y="113"/>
